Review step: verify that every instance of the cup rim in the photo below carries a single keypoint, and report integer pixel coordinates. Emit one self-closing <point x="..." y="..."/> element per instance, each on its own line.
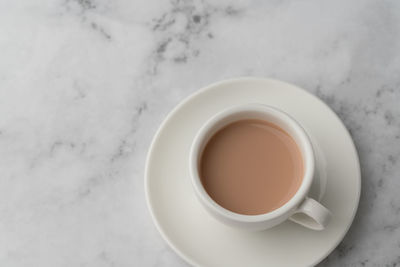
<point x="290" y="205"/>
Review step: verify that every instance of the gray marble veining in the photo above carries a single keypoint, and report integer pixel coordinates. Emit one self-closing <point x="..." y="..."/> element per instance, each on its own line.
<point x="85" y="83"/>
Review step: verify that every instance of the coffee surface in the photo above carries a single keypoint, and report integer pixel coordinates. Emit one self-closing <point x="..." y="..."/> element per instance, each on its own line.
<point x="251" y="167"/>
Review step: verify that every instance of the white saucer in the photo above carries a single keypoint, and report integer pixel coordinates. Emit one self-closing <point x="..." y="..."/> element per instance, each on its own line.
<point x="200" y="239"/>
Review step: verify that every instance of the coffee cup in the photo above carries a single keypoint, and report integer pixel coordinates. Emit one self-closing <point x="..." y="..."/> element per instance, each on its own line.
<point x="298" y="207"/>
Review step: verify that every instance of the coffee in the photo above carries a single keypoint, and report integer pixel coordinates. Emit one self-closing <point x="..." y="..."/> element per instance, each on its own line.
<point x="251" y="167"/>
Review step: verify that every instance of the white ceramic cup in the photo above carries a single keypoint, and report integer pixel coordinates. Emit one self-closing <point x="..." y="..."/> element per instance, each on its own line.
<point x="300" y="208"/>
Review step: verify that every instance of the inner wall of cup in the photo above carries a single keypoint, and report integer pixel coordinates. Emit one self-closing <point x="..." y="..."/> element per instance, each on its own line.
<point x="285" y="125"/>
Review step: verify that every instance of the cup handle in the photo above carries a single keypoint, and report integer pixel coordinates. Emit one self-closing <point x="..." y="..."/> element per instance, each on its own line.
<point x="311" y="214"/>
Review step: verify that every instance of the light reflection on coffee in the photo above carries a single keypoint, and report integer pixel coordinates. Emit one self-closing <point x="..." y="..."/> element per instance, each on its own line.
<point x="251" y="167"/>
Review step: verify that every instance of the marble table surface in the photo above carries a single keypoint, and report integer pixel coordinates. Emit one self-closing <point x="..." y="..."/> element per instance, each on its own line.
<point x="84" y="84"/>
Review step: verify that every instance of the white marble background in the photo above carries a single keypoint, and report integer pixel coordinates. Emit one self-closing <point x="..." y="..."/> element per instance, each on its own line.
<point x="84" y="84"/>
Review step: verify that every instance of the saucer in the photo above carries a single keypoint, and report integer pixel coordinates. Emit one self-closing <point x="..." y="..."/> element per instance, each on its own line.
<point x="200" y="239"/>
